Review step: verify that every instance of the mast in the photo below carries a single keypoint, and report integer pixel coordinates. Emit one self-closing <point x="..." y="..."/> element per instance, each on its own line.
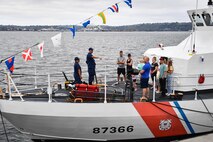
<point x="194" y="30"/>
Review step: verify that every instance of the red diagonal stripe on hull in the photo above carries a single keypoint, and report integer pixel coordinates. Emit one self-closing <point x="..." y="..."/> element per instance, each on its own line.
<point x="154" y="118"/>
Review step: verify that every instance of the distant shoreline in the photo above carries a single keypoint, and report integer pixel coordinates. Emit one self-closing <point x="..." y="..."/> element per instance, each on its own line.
<point x="148" y="27"/>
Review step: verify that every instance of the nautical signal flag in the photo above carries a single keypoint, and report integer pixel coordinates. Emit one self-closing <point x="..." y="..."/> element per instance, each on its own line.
<point x="73" y="29"/>
<point x="41" y="48"/>
<point x="56" y="40"/>
<point x="101" y="14"/>
<point x="114" y="8"/>
<point x="128" y="2"/>
<point x="27" y="55"/>
<point x="85" y="24"/>
<point x="10" y="64"/>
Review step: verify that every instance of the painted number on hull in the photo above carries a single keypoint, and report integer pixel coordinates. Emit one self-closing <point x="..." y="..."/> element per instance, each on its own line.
<point x="112" y="130"/>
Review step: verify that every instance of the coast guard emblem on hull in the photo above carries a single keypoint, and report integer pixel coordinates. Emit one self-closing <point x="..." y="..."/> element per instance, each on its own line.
<point x="165" y="124"/>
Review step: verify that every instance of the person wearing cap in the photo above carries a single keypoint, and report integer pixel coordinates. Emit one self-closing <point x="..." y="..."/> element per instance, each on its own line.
<point x="90" y="60"/>
<point x="77" y="71"/>
<point x="121" y="66"/>
<point x="162" y="76"/>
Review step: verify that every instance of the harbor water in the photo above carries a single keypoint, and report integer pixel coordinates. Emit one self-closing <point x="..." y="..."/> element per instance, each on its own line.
<point x="57" y="59"/>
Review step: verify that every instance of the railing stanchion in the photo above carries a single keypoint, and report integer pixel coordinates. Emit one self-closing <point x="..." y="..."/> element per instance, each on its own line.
<point x="9" y="86"/>
<point x="196" y="89"/>
<point x="154" y="84"/>
<point x="195" y="94"/>
<point x="49" y="90"/>
<point x="35" y="78"/>
<point x="105" y="87"/>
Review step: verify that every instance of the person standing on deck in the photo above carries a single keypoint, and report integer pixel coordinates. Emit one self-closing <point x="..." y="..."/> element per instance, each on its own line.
<point x="121" y="66"/>
<point x="90" y="60"/>
<point x="145" y="78"/>
<point x="129" y="63"/>
<point x="77" y="71"/>
<point x="154" y="69"/>
<point x="169" y="77"/>
<point x="162" y="77"/>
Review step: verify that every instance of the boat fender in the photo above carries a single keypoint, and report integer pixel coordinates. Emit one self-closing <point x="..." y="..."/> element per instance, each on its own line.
<point x="201" y="79"/>
<point x="78" y="100"/>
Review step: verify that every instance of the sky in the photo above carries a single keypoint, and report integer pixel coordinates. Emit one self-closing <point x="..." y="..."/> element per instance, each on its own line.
<point x="72" y="12"/>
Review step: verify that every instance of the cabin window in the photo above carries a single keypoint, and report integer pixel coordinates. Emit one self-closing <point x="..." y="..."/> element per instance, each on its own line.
<point x="198" y="19"/>
<point x="207" y="19"/>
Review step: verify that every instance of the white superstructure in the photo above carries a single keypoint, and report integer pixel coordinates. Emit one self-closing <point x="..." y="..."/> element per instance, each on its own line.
<point x="194" y="55"/>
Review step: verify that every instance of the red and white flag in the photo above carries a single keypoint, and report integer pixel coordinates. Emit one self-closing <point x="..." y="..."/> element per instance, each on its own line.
<point x="41" y="47"/>
<point x="27" y="54"/>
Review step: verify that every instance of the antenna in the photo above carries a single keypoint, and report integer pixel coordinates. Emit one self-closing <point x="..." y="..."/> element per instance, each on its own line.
<point x="210" y="3"/>
<point x="194" y="30"/>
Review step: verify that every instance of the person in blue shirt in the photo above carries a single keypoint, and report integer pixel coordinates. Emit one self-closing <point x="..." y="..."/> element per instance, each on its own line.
<point x="145" y="78"/>
<point x="77" y="71"/>
<point x="91" y="65"/>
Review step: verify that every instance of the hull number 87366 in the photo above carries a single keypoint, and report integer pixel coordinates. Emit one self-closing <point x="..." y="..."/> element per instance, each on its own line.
<point x="121" y="129"/>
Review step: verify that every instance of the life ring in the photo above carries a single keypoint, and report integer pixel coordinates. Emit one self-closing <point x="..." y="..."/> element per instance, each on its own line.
<point x="201" y="79"/>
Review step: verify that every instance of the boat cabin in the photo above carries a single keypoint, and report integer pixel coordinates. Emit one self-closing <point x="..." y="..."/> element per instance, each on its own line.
<point x="202" y="18"/>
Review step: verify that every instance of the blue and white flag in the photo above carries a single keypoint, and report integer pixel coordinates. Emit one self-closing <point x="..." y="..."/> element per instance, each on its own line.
<point x="128" y="2"/>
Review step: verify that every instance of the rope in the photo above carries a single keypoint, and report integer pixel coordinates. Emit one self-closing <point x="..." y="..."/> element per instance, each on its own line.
<point x="205" y="106"/>
<point x="2" y="119"/>
<point x="17" y="53"/>
<point x="179" y="117"/>
<point x="182" y="108"/>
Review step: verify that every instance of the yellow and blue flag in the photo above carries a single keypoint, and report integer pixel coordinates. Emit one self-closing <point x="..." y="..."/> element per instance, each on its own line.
<point x="73" y="30"/>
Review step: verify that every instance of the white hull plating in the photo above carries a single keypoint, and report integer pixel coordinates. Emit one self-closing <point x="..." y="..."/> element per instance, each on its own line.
<point x="120" y="121"/>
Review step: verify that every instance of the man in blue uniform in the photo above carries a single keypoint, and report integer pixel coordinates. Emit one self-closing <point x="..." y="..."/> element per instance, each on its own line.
<point x="91" y="65"/>
<point x="145" y="78"/>
<point x="77" y="71"/>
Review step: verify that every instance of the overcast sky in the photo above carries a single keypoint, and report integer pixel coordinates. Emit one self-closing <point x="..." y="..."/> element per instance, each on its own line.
<point x="68" y="12"/>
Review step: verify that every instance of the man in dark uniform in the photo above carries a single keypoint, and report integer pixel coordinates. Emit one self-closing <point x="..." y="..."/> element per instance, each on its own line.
<point x="77" y="71"/>
<point x="91" y="65"/>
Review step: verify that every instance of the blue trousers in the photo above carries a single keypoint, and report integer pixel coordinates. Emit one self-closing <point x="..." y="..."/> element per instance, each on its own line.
<point x="91" y="73"/>
<point x="77" y="79"/>
<point x="169" y="84"/>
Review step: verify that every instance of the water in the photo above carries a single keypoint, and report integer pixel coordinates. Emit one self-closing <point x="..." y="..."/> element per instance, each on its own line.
<point x="106" y="45"/>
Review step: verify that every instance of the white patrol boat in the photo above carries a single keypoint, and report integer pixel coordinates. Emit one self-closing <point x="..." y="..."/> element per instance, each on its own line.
<point x="99" y="113"/>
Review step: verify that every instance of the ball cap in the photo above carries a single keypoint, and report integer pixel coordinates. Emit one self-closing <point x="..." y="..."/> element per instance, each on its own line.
<point x="90" y="48"/>
<point x="76" y="58"/>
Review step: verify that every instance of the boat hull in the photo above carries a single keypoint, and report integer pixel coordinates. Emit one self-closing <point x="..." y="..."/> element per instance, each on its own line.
<point x="113" y="121"/>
